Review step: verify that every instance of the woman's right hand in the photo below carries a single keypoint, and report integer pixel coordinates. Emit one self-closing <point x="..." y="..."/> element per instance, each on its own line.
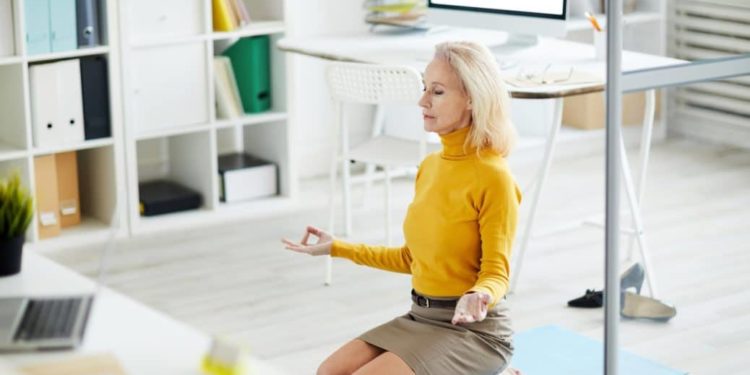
<point x="321" y="247"/>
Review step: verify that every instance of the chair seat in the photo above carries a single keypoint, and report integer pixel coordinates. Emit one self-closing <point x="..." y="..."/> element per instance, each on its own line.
<point x="389" y="151"/>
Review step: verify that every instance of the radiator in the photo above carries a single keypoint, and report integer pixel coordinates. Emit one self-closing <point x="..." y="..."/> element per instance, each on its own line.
<point x="719" y="110"/>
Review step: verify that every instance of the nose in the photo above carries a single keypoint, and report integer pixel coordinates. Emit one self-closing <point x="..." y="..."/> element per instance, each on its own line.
<point x="424" y="101"/>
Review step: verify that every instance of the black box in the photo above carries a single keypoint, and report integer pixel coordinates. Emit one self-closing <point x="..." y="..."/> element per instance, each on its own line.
<point x="163" y="197"/>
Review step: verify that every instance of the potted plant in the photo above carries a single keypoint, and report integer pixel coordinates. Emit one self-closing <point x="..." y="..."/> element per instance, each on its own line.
<point x="16" y="212"/>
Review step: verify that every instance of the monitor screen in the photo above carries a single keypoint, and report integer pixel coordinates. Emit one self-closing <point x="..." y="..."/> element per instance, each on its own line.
<point x="537" y="8"/>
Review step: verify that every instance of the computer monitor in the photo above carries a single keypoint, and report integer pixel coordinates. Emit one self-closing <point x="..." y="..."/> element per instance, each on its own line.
<point x="524" y="20"/>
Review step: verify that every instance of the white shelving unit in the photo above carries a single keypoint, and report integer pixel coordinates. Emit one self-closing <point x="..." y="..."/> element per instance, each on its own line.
<point x="100" y="161"/>
<point x="171" y="127"/>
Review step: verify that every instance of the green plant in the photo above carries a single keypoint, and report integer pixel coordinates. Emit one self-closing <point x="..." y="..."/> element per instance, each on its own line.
<point x="16" y="208"/>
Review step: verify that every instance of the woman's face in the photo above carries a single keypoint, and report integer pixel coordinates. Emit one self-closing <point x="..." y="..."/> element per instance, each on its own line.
<point x="445" y="104"/>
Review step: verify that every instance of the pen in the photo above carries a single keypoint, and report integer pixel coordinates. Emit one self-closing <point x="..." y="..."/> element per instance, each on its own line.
<point x="593" y="21"/>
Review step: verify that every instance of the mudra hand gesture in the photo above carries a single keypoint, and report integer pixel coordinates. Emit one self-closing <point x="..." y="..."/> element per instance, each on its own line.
<point x="321" y="247"/>
<point x="471" y="307"/>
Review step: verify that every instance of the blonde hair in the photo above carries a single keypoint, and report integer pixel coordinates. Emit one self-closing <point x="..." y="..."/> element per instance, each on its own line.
<point x="490" y="103"/>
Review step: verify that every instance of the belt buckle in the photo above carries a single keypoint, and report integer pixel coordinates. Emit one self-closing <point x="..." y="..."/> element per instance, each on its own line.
<point x="426" y="302"/>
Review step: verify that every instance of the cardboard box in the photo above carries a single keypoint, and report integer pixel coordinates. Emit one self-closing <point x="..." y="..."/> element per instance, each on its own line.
<point x="588" y="111"/>
<point x="243" y="177"/>
<point x="47" y="201"/>
<point x="67" y="189"/>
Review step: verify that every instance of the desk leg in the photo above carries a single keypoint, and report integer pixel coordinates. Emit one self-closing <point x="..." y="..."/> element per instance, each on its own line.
<point x="635" y="203"/>
<point x="537" y="192"/>
<point x="646" y="133"/>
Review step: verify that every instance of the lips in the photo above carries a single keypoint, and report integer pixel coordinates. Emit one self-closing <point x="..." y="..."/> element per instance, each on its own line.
<point x="427" y="117"/>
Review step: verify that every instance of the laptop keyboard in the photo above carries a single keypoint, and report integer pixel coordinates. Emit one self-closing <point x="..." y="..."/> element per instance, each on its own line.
<point x="48" y="319"/>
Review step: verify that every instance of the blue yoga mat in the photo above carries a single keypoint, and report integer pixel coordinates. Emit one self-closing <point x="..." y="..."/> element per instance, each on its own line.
<point x="553" y="350"/>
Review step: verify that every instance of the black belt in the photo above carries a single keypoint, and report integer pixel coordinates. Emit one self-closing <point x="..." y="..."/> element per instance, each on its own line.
<point x="423" y="301"/>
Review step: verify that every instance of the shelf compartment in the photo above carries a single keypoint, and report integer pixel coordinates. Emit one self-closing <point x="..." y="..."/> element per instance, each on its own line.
<point x="169" y="88"/>
<point x="185" y="159"/>
<point x="13" y="135"/>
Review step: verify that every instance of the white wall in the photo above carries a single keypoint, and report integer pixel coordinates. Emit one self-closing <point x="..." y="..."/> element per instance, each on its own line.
<point x="310" y="104"/>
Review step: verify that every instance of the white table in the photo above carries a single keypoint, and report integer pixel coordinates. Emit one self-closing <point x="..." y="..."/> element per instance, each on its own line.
<point x="144" y="340"/>
<point x="416" y="49"/>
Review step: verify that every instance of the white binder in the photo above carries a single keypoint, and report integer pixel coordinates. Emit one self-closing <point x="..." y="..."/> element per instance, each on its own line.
<point x="7" y="44"/>
<point x="46" y="130"/>
<point x="56" y="105"/>
<point x="70" y="100"/>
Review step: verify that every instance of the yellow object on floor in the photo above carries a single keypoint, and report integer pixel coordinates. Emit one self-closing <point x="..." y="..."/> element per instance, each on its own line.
<point x="226" y="358"/>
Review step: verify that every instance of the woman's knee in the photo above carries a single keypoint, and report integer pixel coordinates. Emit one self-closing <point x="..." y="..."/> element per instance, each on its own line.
<point x="330" y="367"/>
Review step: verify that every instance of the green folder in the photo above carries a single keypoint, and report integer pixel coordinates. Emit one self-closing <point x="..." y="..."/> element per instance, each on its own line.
<point x="252" y="69"/>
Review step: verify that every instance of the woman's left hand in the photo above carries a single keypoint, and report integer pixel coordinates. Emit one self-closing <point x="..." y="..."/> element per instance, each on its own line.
<point x="471" y="307"/>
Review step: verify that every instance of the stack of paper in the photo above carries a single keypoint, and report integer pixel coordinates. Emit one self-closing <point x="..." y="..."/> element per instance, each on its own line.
<point x="228" y="103"/>
<point x="228" y="15"/>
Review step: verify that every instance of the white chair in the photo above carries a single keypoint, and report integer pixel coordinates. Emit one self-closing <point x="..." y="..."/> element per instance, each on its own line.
<point x="380" y="85"/>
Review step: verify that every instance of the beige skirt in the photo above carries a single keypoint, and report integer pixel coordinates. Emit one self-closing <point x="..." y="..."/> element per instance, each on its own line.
<point x="426" y="340"/>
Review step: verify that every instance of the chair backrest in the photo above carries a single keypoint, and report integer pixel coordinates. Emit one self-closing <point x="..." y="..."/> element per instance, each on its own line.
<point x="373" y="84"/>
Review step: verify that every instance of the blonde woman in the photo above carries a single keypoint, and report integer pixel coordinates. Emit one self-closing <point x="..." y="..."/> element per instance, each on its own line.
<point x="459" y="231"/>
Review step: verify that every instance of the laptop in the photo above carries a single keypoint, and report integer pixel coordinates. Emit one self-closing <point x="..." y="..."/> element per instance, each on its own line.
<point x="41" y="309"/>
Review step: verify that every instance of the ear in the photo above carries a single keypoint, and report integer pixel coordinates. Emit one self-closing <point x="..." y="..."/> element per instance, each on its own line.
<point x="468" y="105"/>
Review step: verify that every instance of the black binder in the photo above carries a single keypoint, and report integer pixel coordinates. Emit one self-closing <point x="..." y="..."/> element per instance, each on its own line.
<point x="87" y="23"/>
<point x="95" y="91"/>
<point x="162" y="197"/>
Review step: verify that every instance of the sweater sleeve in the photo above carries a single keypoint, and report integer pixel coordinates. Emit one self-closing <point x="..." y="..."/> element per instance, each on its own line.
<point x="395" y="259"/>
<point x="498" y="214"/>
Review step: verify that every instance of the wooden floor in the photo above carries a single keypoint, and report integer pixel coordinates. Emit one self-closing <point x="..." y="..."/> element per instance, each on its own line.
<point x="237" y="280"/>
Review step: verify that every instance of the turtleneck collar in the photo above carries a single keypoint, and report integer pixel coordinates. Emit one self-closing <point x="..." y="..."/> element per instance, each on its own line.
<point x="453" y="144"/>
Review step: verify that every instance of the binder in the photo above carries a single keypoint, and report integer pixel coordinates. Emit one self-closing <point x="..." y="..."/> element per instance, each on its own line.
<point x="244" y="177"/>
<point x="47" y="203"/>
<point x="87" y="23"/>
<point x="37" y="27"/>
<point x="251" y="65"/>
<point x="7" y="42"/>
<point x="56" y="107"/>
<point x="69" y="100"/>
<point x="95" y="96"/>
<point x="46" y="129"/>
<point x="223" y="17"/>
<point x="228" y="103"/>
<point x="66" y="165"/>
<point x="62" y="24"/>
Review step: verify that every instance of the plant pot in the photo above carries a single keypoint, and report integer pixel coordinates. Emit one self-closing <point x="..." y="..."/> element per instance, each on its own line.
<point x="10" y="255"/>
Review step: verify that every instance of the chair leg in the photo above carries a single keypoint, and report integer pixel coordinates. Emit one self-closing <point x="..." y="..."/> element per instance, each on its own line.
<point x="347" y="186"/>
<point x="387" y="184"/>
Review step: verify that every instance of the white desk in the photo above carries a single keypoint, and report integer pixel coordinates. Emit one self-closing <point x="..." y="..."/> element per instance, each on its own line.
<point x="144" y="340"/>
<point x="416" y="49"/>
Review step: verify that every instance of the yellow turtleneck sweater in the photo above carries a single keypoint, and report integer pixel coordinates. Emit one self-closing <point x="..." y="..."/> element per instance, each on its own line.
<point x="458" y="230"/>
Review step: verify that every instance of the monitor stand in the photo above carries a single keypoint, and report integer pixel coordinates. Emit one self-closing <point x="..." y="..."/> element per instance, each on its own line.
<point x="514" y="43"/>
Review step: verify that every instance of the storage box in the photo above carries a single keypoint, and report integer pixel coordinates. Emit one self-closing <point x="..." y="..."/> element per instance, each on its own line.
<point x="589" y="111"/>
<point x="163" y="197"/>
<point x="66" y="164"/>
<point x="244" y="176"/>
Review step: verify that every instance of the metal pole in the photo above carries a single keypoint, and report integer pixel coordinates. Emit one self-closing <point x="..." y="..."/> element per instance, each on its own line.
<point x="612" y="210"/>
